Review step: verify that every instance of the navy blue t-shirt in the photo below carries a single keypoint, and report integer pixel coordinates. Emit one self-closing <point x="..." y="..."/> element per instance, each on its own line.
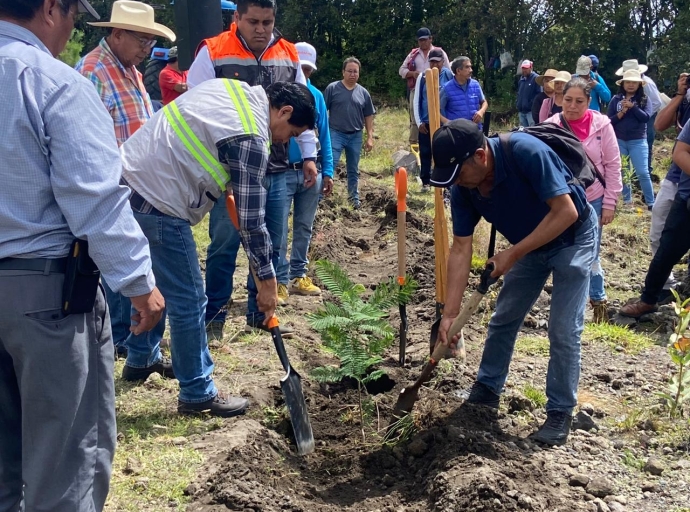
<point x="684" y="183"/>
<point x="522" y="186"/>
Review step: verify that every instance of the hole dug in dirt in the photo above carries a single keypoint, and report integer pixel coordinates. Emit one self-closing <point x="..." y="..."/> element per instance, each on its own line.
<point x="461" y="460"/>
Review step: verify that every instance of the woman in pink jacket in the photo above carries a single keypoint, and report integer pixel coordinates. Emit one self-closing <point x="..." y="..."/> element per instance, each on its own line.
<point x="599" y="140"/>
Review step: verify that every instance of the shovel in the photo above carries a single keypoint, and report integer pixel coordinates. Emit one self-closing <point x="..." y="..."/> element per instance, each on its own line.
<point x="484" y="282"/>
<point x="409" y="395"/>
<point x="290" y="384"/>
<point x="401" y="192"/>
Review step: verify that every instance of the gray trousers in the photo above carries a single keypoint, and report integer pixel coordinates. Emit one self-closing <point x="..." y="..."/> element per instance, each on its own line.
<point x="662" y="205"/>
<point x="57" y="398"/>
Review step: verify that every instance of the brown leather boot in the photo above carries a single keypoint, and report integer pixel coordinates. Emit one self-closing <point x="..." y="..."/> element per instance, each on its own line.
<point x="637" y="308"/>
<point x="601" y="311"/>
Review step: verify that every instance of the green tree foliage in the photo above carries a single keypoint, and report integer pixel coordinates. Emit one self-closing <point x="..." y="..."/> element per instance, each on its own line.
<point x="552" y="33"/>
<point x="355" y="328"/>
<point x="72" y="52"/>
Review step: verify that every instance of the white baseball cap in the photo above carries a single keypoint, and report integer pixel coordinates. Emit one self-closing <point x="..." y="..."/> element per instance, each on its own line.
<point x="307" y="55"/>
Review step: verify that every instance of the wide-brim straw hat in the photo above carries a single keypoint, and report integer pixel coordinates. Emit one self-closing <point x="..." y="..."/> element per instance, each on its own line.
<point x="631" y="75"/>
<point x="136" y="17"/>
<point x="631" y="64"/>
<point x="562" y="76"/>
<point x="549" y="73"/>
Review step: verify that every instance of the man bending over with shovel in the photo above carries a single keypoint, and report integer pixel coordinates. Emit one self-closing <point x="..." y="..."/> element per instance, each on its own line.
<point x="529" y="197"/>
<point x="213" y="137"/>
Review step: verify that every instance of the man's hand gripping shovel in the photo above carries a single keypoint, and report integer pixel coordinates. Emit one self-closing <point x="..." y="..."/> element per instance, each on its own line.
<point x="290" y="384"/>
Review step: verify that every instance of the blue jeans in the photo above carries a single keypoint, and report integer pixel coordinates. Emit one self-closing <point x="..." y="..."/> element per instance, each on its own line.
<point x="178" y="277"/>
<point x="352" y="144"/>
<point x="596" y="276"/>
<point x="225" y="243"/>
<point x="651" y="135"/>
<point x="526" y="118"/>
<point x="120" y="308"/>
<point x="639" y="154"/>
<point x="570" y="265"/>
<point x="306" y="200"/>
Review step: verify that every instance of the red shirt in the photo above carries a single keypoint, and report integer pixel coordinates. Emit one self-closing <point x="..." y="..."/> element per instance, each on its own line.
<point x="167" y="80"/>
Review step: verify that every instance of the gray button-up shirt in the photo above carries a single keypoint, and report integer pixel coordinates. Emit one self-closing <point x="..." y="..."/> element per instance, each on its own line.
<point x="60" y="167"/>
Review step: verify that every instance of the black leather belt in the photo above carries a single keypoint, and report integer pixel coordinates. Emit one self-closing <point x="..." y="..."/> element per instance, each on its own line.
<point x="45" y="265"/>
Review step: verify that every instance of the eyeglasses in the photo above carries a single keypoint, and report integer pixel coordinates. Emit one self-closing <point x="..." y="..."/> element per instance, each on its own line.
<point x="144" y="43"/>
<point x="352" y="71"/>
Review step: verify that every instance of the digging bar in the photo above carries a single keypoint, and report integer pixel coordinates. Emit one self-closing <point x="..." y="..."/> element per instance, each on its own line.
<point x="290" y="384"/>
<point x="401" y="192"/>
<point x="409" y="395"/>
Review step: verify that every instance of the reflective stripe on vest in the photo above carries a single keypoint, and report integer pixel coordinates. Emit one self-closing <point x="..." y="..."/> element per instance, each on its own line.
<point x="194" y="145"/>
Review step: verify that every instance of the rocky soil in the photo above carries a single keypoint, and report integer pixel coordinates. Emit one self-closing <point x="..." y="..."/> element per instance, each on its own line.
<point x="622" y="456"/>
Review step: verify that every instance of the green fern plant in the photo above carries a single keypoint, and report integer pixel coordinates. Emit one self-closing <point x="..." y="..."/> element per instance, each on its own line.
<point x="354" y="327"/>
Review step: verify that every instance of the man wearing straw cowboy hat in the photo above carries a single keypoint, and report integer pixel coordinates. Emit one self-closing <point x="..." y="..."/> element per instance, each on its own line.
<point x="652" y="93"/>
<point x="111" y="66"/>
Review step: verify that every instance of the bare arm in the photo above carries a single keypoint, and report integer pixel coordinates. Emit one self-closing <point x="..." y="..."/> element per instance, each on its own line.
<point x="681" y="156"/>
<point x="667" y="115"/>
<point x="458" y="272"/>
<point x="369" y="124"/>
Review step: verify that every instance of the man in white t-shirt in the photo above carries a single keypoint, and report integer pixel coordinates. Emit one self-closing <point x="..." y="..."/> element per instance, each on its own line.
<point x="416" y="62"/>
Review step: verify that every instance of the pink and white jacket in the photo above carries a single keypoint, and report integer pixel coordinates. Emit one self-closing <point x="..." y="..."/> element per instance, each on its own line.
<point x="602" y="147"/>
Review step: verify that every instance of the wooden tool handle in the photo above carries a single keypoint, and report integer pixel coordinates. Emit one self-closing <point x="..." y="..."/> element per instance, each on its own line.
<point x="401" y="192"/>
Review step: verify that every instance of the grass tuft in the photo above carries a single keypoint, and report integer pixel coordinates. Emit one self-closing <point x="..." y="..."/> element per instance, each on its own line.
<point x="533" y="346"/>
<point x="534" y="395"/>
<point x="615" y="336"/>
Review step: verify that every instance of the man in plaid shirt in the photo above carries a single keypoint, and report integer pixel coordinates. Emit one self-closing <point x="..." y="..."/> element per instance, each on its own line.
<point x="212" y="138"/>
<point x="111" y="66"/>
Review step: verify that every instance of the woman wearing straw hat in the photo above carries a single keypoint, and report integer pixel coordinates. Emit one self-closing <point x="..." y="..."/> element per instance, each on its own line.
<point x="554" y="105"/>
<point x="629" y="112"/>
<point x="545" y="82"/>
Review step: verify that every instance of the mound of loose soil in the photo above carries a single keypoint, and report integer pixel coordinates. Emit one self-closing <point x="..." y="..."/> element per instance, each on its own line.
<point x="460" y="457"/>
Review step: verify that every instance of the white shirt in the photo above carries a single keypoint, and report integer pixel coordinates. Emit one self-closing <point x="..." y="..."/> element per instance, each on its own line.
<point x="652" y="93"/>
<point x="421" y="62"/>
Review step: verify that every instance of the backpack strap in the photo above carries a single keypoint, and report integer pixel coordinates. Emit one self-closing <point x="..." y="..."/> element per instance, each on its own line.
<point x="566" y="125"/>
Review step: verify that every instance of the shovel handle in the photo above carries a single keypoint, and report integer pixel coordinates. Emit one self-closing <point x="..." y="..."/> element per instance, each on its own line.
<point x="401" y="192"/>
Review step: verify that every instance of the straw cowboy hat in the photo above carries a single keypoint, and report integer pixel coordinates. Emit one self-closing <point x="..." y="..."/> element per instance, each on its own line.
<point x="631" y="75"/>
<point x="137" y="17"/>
<point x="549" y="73"/>
<point x="562" y="76"/>
<point x="631" y="64"/>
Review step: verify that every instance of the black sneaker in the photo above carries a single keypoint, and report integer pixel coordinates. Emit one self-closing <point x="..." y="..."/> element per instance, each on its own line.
<point x="225" y="407"/>
<point x="163" y="366"/>
<point x="259" y="326"/>
<point x="555" y="430"/>
<point x="481" y="395"/>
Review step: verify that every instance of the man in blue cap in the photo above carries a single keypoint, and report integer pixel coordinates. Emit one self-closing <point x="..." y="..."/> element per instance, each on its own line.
<point x="531" y="198"/>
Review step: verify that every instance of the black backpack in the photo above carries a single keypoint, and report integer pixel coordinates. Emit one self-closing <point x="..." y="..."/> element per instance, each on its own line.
<point x="566" y="145"/>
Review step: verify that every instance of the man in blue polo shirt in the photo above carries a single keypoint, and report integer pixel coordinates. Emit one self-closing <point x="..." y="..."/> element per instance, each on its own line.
<point x="530" y="199"/>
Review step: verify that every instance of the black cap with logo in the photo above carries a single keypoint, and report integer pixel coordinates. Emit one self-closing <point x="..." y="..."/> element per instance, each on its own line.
<point x="453" y="143"/>
<point x="436" y="54"/>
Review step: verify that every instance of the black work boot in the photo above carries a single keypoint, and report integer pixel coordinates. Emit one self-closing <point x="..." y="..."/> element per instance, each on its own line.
<point x="225" y="407"/>
<point x="163" y="366"/>
<point x="555" y="430"/>
<point x="481" y="395"/>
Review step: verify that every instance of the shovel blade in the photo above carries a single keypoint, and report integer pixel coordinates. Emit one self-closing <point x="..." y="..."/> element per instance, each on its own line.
<point x="299" y="416"/>
<point x="406" y="400"/>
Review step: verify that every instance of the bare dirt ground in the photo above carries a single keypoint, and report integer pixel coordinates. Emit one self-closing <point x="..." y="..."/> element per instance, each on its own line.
<point x="624" y="457"/>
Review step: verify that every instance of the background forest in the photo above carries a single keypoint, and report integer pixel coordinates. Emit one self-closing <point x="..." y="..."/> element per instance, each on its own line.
<point x="552" y="33"/>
